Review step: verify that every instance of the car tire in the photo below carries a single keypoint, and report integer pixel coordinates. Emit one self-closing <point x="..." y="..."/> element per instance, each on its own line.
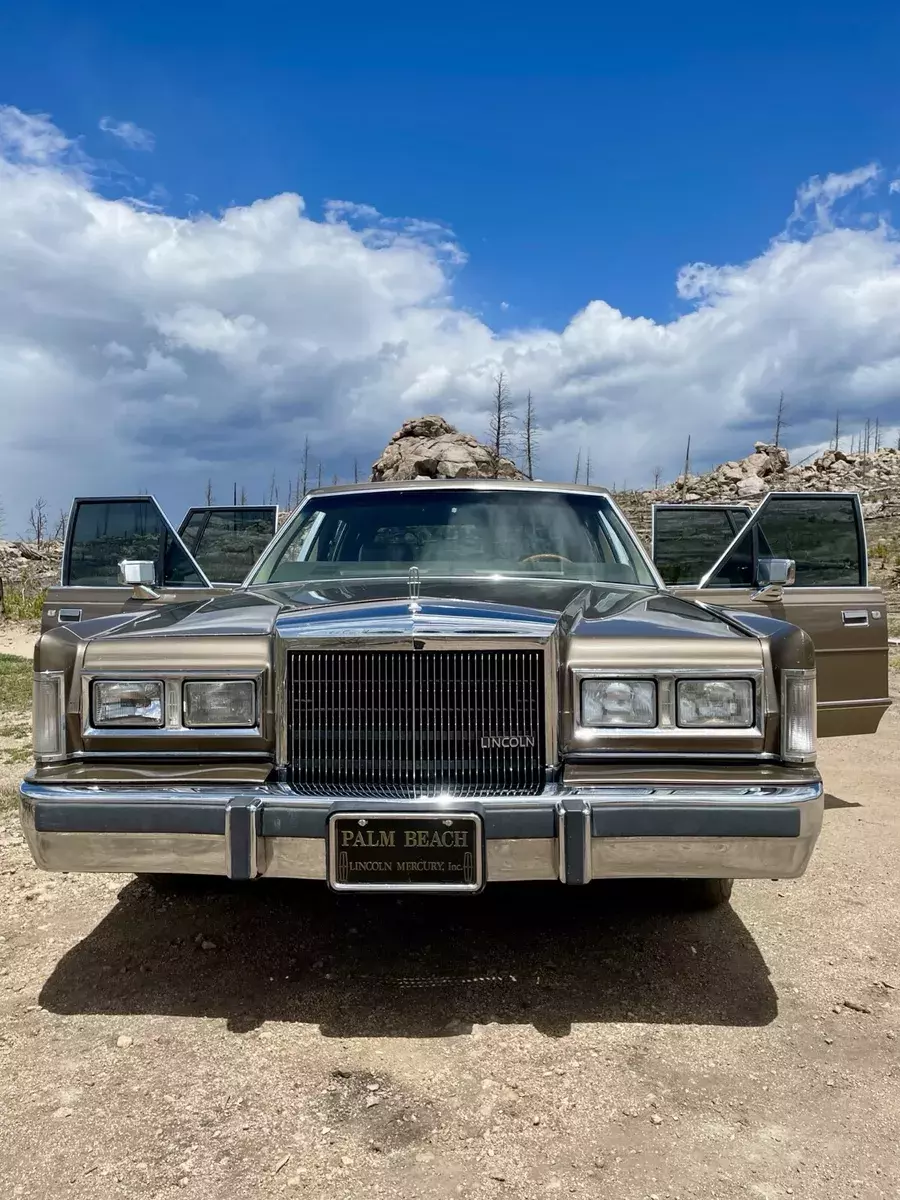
<point x="704" y="894"/>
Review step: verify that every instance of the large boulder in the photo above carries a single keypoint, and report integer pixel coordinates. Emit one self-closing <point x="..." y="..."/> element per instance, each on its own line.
<point x="431" y="448"/>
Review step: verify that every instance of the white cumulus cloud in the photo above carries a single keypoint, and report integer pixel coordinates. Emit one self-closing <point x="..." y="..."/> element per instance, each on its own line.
<point x="132" y="135"/>
<point x="144" y="350"/>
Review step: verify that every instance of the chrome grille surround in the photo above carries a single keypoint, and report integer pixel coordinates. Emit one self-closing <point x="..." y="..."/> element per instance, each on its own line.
<point x="402" y="722"/>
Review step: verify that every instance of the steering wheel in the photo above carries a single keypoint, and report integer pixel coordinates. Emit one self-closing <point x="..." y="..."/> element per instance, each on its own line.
<point x="541" y="557"/>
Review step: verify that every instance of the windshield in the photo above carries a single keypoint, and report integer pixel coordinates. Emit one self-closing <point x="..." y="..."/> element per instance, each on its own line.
<point x="456" y="532"/>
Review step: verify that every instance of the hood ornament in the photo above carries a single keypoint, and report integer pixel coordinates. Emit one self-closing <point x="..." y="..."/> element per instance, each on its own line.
<point x="415" y="589"/>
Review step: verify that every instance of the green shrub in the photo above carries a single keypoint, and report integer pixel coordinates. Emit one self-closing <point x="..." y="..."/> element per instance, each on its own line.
<point x="19" y="606"/>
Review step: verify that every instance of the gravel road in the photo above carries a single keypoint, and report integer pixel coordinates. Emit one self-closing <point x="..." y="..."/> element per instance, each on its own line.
<point x="279" y="1041"/>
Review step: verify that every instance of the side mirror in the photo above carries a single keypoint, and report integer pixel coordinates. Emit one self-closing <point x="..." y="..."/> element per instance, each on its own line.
<point x="776" y="572"/>
<point x="139" y="574"/>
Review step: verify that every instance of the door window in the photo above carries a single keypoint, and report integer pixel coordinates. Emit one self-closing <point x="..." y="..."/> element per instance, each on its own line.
<point x="687" y="539"/>
<point x="230" y="540"/>
<point x="822" y="533"/>
<point x="103" y="532"/>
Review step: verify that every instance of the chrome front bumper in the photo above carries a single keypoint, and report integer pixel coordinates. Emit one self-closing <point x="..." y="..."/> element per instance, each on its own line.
<point x="573" y="834"/>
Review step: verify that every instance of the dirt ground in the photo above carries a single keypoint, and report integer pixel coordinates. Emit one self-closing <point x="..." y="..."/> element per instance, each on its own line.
<point x="281" y="1041"/>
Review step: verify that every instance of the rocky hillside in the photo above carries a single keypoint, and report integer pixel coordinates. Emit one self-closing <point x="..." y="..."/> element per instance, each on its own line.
<point x="431" y="448"/>
<point x="23" y="564"/>
<point x="876" y="476"/>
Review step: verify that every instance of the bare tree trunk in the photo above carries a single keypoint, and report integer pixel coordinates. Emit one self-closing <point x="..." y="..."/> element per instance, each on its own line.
<point x="529" y="431"/>
<point x="37" y="520"/>
<point x="837" y="430"/>
<point x="587" y="469"/>
<point x="319" y="477"/>
<point x="779" y="420"/>
<point x="500" y="425"/>
<point x="578" y="468"/>
<point x="305" y="476"/>
<point x="209" y="493"/>
<point x="687" y="469"/>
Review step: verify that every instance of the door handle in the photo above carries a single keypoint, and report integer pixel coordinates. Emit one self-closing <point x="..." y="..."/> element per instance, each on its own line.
<point x="855" y="616"/>
<point x="67" y="615"/>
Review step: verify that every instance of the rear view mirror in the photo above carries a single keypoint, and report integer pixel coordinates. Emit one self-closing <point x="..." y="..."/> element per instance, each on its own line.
<point x="136" y="572"/>
<point x="139" y="574"/>
<point x="776" y="572"/>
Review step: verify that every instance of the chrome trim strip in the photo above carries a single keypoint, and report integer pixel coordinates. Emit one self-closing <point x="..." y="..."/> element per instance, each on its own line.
<point x="883" y="702"/>
<point x="774" y="793"/>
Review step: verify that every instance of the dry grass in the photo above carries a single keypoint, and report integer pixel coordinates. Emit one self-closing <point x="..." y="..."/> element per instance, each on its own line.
<point x="9" y="798"/>
<point x="15" y="727"/>
<point x="15" y="686"/>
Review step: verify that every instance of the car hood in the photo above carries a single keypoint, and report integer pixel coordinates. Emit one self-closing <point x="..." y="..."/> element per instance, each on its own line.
<point x="471" y="607"/>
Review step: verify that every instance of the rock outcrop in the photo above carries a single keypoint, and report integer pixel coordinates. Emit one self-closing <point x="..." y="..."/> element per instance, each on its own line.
<point x="431" y="448"/>
<point x="744" y="479"/>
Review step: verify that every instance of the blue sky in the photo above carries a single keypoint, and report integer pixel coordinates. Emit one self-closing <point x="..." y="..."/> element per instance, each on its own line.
<point x="577" y="156"/>
<point x="576" y="153"/>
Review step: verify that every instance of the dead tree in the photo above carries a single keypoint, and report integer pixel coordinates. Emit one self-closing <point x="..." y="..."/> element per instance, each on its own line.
<point x="687" y="469"/>
<point x="578" y="467"/>
<point x="657" y="475"/>
<point x="37" y="520"/>
<point x="837" y="430"/>
<point x="304" y="478"/>
<point x="587" y="469"/>
<point x="780" y="420"/>
<point x="210" y="499"/>
<point x="529" y="436"/>
<point x="501" y="422"/>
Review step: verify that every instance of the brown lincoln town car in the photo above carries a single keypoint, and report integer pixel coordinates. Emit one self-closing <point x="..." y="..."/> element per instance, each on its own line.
<point x="441" y="685"/>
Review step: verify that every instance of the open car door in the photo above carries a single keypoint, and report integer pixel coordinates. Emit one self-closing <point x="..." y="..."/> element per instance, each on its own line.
<point x="801" y="557"/>
<point x="101" y="533"/>
<point x="227" y="540"/>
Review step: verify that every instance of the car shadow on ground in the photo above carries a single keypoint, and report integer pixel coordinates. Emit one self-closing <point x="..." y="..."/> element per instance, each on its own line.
<point x="832" y="801"/>
<point x="417" y="967"/>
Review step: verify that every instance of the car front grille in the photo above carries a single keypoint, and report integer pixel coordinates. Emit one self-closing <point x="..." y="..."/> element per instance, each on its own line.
<point x="407" y="723"/>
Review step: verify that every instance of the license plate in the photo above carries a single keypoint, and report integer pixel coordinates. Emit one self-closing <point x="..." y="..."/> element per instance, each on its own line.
<point x="409" y="852"/>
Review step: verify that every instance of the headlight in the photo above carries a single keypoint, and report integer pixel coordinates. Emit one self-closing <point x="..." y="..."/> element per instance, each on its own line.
<point x="220" y="704"/>
<point x="798" y="716"/>
<point x="623" y="703"/>
<point x="127" y="703"/>
<point x="715" y="703"/>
